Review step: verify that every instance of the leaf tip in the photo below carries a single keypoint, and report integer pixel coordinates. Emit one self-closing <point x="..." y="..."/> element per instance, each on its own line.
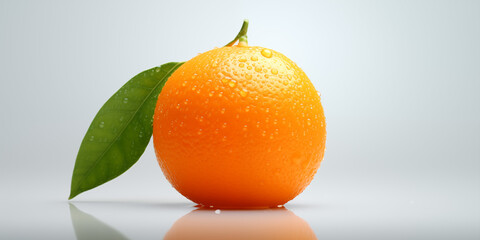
<point x="72" y="195"/>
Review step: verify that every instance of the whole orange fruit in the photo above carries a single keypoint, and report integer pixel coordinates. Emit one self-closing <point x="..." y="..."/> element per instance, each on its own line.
<point x="239" y="127"/>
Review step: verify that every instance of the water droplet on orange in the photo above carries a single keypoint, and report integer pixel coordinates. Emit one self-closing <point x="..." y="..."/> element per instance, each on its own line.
<point x="266" y="53"/>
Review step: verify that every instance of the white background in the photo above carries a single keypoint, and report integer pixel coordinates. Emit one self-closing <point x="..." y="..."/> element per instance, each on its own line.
<point x="400" y="83"/>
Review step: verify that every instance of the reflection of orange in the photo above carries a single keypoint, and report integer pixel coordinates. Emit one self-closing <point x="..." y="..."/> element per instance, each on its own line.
<point x="275" y="224"/>
<point x="239" y="127"/>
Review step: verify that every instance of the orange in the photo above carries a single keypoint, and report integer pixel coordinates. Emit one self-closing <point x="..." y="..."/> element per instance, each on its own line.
<point x="239" y="127"/>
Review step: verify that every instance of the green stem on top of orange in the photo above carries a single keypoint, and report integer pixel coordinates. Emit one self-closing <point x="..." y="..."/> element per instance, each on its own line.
<point x="241" y="36"/>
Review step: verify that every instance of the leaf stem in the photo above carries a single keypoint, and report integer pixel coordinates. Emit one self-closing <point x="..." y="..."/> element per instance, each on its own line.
<point x="241" y="36"/>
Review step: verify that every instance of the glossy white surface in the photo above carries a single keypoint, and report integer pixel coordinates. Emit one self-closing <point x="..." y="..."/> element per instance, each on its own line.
<point x="335" y="215"/>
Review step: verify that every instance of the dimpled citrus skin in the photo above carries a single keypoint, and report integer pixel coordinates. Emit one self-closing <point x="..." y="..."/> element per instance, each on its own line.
<point x="239" y="127"/>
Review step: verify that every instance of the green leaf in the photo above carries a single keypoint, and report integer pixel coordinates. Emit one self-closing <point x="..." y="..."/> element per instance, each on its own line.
<point x="121" y="130"/>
